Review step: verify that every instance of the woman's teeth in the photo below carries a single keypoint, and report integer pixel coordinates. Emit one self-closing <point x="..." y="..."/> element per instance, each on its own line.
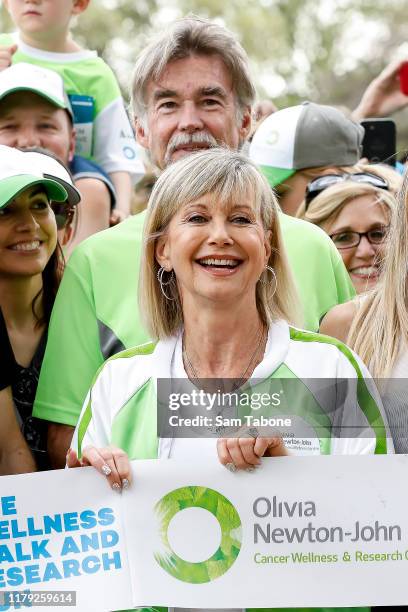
<point x="219" y="262"/>
<point x="26" y="246"/>
<point x="365" y="271"/>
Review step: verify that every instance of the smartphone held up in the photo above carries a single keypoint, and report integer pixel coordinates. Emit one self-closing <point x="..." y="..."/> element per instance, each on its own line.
<point x="379" y="142"/>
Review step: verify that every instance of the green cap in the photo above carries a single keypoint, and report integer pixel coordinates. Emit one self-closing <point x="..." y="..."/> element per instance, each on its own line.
<point x="19" y="170"/>
<point x="11" y="187"/>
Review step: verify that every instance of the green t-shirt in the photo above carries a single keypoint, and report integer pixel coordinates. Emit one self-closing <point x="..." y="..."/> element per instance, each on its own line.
<point x="103" y="130"/>
<point x="96" y="311"/>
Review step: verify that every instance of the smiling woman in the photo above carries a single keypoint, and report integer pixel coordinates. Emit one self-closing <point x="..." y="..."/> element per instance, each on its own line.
<point x="31" y="265"/>
<point x="355" y="210"/>
<point x="218" y="297"/>
<point x="216" y="238"/>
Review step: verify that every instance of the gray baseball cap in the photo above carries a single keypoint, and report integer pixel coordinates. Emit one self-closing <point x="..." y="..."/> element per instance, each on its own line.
<point x="305" y="136"/>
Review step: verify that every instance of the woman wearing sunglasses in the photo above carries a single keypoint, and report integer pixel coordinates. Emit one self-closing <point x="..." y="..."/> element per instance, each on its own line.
<point x="355" y="210"/>
<point x="31" y="265"/>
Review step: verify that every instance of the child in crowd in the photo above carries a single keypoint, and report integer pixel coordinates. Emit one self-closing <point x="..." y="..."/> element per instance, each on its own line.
<point x="103" y="130"/>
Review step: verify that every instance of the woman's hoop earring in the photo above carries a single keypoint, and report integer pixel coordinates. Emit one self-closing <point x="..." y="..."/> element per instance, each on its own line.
<point x="266" y="281"/>
<point x="164" y="283"/>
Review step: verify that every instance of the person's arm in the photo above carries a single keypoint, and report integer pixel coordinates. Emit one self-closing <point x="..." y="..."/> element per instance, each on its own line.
<point x="15" y="456"/>
<point x="72" y="357"/>
<point x="383" y="96"/>
<point x="338" y="320"/>
<point x="115" y="150"/>
<point x="58" y="442"/>
<point x="123" y="188"/>
<point x="93" y="211"/>
<point x="6" y="56"/>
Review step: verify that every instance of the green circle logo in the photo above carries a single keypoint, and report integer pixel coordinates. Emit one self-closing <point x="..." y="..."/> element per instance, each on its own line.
<point x="231" y="534"/>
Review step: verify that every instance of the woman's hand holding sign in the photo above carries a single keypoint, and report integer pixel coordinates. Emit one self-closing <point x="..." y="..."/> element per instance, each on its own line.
<point x="245" y="452"/>
<point x="110" y="461"/>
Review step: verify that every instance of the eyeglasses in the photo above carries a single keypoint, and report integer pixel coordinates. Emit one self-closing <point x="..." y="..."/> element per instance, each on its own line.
<point x="321" y="183"/>
<point x="349" y="240"/>
<point x="64" y="213"/>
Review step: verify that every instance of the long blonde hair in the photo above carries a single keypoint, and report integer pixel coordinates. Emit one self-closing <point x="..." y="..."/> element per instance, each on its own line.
<point x="380" y="327"/>
<point x="226" y="175"/>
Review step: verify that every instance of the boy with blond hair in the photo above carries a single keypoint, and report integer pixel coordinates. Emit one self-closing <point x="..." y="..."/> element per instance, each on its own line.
<point x="103" y="131"/>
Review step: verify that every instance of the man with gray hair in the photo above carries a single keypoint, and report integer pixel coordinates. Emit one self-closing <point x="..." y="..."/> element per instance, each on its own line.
<point x="191" y="90"/>
<point x="200" y="65"/>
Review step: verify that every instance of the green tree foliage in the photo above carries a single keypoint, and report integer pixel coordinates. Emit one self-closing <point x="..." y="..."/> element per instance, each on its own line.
<point x="323" y="50"/>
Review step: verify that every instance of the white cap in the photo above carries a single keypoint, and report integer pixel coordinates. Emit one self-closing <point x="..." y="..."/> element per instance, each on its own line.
<point x="28" y="77"/>
<point x="19" y="170"/>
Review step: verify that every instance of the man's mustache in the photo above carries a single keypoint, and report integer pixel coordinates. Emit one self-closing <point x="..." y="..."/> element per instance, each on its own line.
<point x="182" y="140"/>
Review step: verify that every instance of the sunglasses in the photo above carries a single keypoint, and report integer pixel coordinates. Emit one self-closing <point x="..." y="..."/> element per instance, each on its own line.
<point x="321" y="183"/>
<point x="64" y="213"/>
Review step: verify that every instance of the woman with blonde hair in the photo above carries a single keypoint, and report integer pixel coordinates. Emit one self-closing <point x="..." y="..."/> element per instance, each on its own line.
<point x="376" y="327"/>
<point x="355" y="210"/>
<point x="219" y="300"/>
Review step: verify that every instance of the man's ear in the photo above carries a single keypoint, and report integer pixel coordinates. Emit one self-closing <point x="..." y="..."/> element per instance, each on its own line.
<point x="162" y="253"/>
<point x="141" y="134"/>
<point x="246" y="124"/>
<point x="79" y="6"/>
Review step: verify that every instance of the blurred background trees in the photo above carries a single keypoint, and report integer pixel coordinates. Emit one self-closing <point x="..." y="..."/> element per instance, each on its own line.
<point x="322" y="50"/>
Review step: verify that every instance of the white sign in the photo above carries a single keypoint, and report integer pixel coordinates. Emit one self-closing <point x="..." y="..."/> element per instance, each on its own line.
<point x="297" y="532"/>
<point x="62" y="531"/>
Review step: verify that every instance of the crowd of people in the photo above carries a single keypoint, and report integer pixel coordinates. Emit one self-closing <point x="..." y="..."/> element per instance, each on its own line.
<point x="264" y="246"/>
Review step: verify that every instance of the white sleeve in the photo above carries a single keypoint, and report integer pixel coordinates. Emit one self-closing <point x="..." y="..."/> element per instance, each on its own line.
<point x="115" y="148"/>
<point x="94" y="424"/>
<point x="362" y="413"/>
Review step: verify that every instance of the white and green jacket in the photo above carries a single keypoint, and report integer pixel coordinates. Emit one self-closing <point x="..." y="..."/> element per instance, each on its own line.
<point x="121" y="406"/>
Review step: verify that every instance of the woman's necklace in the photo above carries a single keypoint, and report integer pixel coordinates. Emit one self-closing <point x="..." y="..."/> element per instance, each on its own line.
<point x="259" y="345"/>
<point x="192" y="373"/>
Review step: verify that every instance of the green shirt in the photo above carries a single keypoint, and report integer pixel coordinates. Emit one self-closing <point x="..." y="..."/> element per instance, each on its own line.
<point x="103" y="130"/>
<point x="96" y="311"/>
